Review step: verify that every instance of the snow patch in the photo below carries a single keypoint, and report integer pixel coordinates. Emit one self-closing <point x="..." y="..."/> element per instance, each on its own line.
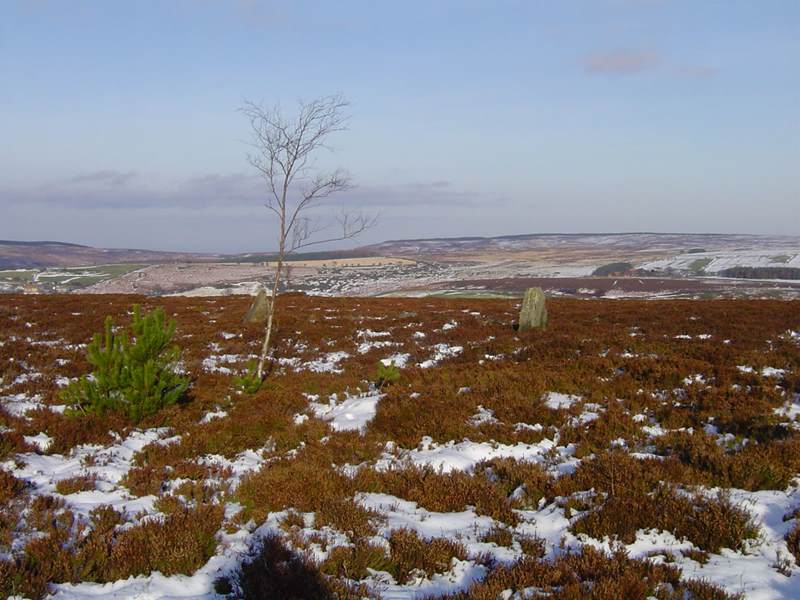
<point x="558" y="401"/>
<point x="108" y="464"/>
<point x="327" y="364"/>
<point x="210" y="416"/>
<point x="352" y="414"/>
<point x="465" y="455"/>
<point x="398" y="360"/>
<point x="440" y="352"/>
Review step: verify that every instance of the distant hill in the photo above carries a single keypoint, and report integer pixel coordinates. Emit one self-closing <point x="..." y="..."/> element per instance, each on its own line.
<point x="630" y="243"/>
<point x="39" y="254"/>
<point x="24" y="254"/>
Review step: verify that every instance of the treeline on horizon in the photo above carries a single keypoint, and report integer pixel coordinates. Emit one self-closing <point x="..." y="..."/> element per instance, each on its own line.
<point x="762" y="272"/>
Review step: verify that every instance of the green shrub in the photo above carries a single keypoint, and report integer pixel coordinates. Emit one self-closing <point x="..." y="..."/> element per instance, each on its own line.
<point x="133" y="374"/>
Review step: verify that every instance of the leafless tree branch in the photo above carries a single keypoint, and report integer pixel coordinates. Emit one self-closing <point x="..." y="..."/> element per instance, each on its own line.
<point x="352" y="224"/>
<point x="283" y="152"/>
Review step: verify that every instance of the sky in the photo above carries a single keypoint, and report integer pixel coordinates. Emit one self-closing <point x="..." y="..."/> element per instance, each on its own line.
<point x="119" y="124"/>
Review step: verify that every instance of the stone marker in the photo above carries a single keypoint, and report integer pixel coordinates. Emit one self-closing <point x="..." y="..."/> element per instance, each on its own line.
<point x="533" y="314"/>
<point x="257" y="315"/>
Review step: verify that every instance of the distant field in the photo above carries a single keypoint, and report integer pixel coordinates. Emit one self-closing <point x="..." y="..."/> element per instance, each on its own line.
<point x="617" y="287"/>
<point x="77" y="277"/>
<point x="18" y="275"/>
<point x="632" y="450"/>
<point x="455" y="293"/>
<point x="347" y="262"/>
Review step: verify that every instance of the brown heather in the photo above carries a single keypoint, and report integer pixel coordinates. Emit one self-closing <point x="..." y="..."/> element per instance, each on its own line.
<point x="355" y="562"/>
<point x="68" y="432"/>
<point x="793" y="540"/>
<point x="407" y="555"/>
<point x="709" y="523"/>
<point x="298" y="484"/>
<point x="439" y="492"/>
<point x="10" y="486"/>
<point x="79" y="483"/>
<point x="409" y="552"/>
<point x="700" y="556"/>
<point x="511" y="475"/>
<point x="11" y="436"/>
<point x="498" y="535"/>
<point x="587" y="350"/>
<point x="179" y="543"/>
<point x="593" y="575"/>
<point x="275" y="571"/>
<point x="292" y="520"/>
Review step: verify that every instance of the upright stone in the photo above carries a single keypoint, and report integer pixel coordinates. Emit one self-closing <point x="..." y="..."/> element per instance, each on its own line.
<point x="257" y="315"/>
<point x="533" y="314"/>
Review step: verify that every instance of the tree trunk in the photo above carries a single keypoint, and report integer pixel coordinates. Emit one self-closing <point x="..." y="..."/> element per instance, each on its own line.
<point x="270" y="314"/>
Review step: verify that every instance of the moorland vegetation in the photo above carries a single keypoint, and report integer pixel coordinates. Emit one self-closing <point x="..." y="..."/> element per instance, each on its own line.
<point x="563" y="447"/>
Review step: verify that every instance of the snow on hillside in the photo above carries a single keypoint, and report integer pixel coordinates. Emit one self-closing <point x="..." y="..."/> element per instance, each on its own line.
<point x="716" y="262"/>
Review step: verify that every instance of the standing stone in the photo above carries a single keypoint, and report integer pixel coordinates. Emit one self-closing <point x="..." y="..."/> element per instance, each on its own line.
<point x="533" y="314"/>
<point x="257" y="315"/>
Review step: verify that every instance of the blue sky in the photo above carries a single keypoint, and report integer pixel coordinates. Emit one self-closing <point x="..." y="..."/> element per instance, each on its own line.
<point x="119" y="126"/>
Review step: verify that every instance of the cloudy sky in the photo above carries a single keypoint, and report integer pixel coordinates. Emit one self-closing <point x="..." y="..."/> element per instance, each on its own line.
<point x="119" y="123"/>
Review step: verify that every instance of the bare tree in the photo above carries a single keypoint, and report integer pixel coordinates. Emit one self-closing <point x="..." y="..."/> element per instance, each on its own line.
<point x="284" y="152"/>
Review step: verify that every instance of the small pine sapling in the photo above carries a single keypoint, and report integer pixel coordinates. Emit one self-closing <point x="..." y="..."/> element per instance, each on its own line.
<point x="135" y="374"/>
<point x="249" y="382"/>
<point x="387" y="374"/>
